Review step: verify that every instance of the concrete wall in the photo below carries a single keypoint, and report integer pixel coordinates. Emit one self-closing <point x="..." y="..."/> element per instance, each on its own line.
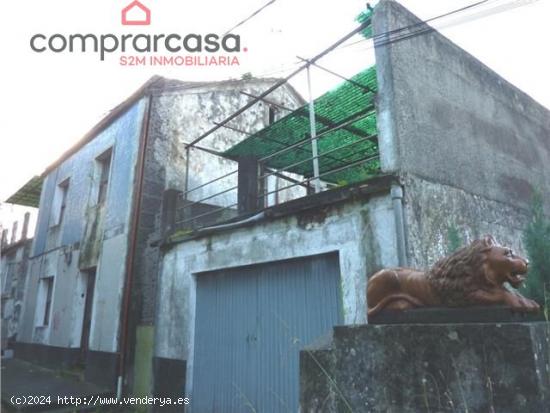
<point x="363" y="232"/>
<point x="430" y="367"/>
<point x="445" y="117"/>
<point x="57" y="249"/>
<point x="433" y="212"/>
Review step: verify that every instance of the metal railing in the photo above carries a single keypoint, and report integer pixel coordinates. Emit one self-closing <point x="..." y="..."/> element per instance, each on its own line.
<point x="220" y="199"/>
<point x="211" y="209"/>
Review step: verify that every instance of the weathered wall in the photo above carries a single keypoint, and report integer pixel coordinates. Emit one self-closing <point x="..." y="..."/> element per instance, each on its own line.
<point x="57" y="249"/>
<point x="179" y="113"/>
<point x="446" y="117"/>
<point x="433" y="212"/>
<point x="363" y="232"/>
<point x="67" y="306"/>
<point x="477" y="367"/>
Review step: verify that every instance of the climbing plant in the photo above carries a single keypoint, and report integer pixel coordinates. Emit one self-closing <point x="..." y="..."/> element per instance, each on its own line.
<point x="454" y="240"/>
<point x="536" y="238"/>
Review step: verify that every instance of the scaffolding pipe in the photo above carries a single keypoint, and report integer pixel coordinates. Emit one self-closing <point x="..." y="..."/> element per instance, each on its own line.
<point x="210" y="182"/>
<point x="366" y="159"/>
<point x="353" y="82"/>
<point x="187" y="160"/>
<point x="313" y="134"/>
<point x="343" y="125"/>
<point x="287" y="167"/>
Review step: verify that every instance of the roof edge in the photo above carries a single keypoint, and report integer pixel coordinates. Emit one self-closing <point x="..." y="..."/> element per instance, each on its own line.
<point x="138" y="94"/>
<point x="103" y="123"/>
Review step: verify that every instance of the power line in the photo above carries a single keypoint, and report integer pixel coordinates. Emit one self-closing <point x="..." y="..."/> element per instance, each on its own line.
<point x="290" y="66"/>
<point x="423" y="29"/>
<point x="269" y="3"/>
<point x="482" y="13"/>
<point x="412" y="26"/>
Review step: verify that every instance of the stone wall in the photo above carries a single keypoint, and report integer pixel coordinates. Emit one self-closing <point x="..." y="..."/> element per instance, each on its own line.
<point x="477" y="368"/>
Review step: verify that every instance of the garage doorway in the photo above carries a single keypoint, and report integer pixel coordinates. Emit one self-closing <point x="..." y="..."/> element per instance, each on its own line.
<point x="250" y="325"/>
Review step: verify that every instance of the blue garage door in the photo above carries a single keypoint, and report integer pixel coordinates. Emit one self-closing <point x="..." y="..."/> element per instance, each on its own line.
<point x="251" y="323"/>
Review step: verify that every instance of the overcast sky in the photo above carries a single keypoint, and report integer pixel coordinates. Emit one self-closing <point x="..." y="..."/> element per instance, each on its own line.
<point x="49" y="101"/>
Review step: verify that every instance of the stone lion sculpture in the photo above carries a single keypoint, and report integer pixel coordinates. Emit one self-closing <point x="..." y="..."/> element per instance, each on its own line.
<point x="473" y="275"/>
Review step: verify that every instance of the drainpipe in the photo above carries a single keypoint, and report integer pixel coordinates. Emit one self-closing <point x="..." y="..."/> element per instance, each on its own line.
<point x="136" y="206"/>
<point x="397" y="202"/>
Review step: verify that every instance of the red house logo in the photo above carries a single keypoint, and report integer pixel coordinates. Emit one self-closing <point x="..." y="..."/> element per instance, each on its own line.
<point x="136" y="14"/>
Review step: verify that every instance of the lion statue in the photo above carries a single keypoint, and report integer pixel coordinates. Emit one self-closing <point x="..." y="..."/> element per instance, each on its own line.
<point x="473" y="275"/>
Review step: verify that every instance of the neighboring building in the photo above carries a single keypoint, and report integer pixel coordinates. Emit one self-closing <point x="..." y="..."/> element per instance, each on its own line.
<point x="14" y="258"/>
<point x="91" y="288"/>
<point x="456" y="147"/>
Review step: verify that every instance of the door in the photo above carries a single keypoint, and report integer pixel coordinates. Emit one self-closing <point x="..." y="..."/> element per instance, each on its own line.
<point x="250" y="325"/>
<point x="87" y="319"/>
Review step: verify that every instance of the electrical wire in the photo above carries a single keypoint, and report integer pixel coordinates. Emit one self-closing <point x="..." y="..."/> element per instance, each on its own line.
<point x="255" y="13"/>
<point x="460" y="20"/>
<point x="387" y="35"/>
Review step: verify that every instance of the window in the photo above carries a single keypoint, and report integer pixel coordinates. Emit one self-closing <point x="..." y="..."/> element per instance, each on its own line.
<point x="64" y="186"/>
<point x="104" y="167"/>
<point x="47" y="308"/>
<point x="44" y="301"/>
<point x="60" y="202"/>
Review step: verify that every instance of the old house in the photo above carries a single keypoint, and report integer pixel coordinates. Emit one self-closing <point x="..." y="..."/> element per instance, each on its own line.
<point x="428" y="141"/>
<point x="203" y="233"/>
<point x="14" y="258"/>
<point x="90" y="293"/>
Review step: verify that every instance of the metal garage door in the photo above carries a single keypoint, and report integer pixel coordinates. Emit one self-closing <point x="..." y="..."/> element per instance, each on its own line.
<point x="250" y="325"/>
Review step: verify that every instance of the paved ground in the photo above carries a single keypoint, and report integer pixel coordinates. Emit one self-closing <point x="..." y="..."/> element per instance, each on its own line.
<point x="21" y="379"/>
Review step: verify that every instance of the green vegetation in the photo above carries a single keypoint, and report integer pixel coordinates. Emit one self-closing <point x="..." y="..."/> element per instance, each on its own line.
<point x="362" y="18"/>
<point x="454" y="241"/>
<point x="536" y="238"/>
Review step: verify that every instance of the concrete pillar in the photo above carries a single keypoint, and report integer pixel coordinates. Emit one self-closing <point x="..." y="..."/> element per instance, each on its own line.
<point x="14" y="232"/>
<point x="170" y="203"/>
<point x="25" y="225"/>
<point x="249" y="187"/>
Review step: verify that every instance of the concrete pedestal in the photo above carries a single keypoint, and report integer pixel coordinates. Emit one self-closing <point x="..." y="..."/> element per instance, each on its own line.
<point x="473" y="367"/>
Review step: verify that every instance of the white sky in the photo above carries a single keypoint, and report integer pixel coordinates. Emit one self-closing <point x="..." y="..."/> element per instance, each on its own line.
<point x="50" y="101"/>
